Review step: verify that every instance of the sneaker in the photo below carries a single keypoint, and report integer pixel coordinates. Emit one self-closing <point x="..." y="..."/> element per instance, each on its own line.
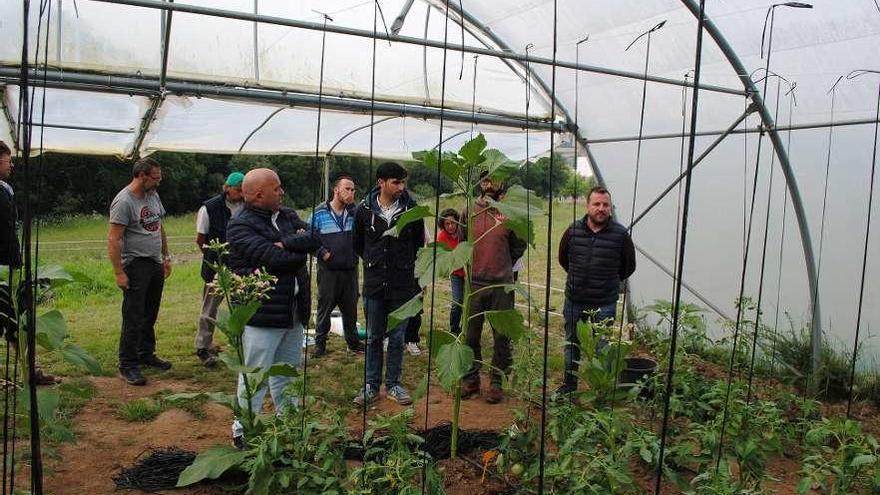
<point x="495" y="394"/>
<point x="565" y="389"/>
<point x="357" y="348"/>
<point x="367" y="395"/>
<point x="208" y="359"/>
<point x="237" y="435"/>
<point x="154" y="361"/>
<point x="320" y="351"/>
<point x="412" y="348"/>
<point x="132" y="376"/>
<point x="43" y="378"/>
<point x="470" y="388"/>
<point x="399" y="394"/>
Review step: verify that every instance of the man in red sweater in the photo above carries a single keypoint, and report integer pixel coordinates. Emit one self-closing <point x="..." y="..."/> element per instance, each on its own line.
<point x="498" y="247"/>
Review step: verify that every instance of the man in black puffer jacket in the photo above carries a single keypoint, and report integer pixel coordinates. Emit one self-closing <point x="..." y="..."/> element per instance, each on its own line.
<point x="598" y="254"/>
<point x="389" y="276"/>
<point x="267" y="237"/>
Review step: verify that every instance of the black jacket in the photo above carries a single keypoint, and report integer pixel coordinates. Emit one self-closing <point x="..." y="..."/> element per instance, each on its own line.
<point x="251" y="238"/>
<point x="596" y="262"/>
<point x="218" y="217"/>
<point x="389" y="262"/>
<point x="10" y="252"/>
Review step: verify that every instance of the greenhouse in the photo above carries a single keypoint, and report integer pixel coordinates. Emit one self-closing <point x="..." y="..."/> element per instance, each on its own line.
<point x="738" y="141"/>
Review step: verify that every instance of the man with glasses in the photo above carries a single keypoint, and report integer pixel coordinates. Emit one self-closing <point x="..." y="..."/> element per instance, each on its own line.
<point x="138" y="251"/>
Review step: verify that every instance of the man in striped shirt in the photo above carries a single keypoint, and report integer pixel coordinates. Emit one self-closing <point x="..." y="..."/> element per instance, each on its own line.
<point x="337" y="265"/>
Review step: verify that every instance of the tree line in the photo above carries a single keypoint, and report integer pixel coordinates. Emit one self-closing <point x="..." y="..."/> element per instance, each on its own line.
<point x="65" y="185"/>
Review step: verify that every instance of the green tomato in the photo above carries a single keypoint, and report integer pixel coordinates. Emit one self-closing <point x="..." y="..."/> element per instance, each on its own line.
<point x="517" y="469"/>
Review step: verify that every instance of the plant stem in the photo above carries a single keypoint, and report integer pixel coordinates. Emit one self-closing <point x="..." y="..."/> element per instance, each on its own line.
<point x="456" y="409"/>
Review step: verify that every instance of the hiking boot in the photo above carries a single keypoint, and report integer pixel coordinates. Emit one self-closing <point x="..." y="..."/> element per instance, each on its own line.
<point x="367" y="396"/>
<point x="132" y="376"/>
<point x="208" y="359"/>
<point x="42" y="378"/>
<point x="470" y="388"/>
<point x="320" y="351"/>
<point x="357" y="348"/>
<point x="154" y="361"/>
<point x="399" y="394"/>
<point x="495" y="394"/>
<point x="565" y="390"/>
<point x="412" y="348"/>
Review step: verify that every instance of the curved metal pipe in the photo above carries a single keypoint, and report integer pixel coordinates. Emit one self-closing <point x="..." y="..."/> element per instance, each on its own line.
<point x="784" y="164"/>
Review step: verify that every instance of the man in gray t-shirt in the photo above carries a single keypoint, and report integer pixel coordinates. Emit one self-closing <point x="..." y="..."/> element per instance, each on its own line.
<point x="138" y="251"/>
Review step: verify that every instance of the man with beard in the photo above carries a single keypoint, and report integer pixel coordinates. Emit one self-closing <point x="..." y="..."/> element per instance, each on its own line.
<point x="389" y="276"/>
<point x="492" y="264"/>
<point x="597" y="253"/>
<point x="211" y="223"/>
<point x="138" y="251"/>
<point x="337" y="265"/>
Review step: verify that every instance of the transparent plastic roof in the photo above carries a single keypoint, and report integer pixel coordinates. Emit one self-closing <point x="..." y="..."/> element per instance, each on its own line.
<point x="220" y="72"/>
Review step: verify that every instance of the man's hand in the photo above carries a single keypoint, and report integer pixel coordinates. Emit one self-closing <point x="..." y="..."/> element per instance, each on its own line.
<point x="122" y="280"/>
<point x="327" y="255"/>
<point x="166" y="265"/>
<point x="279" y="244"/>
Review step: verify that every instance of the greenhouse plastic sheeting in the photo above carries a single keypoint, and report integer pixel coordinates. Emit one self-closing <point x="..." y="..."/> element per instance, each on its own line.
<point x="811" y="49"/>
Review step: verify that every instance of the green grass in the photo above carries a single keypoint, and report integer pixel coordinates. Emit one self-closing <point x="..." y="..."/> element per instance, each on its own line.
<point x="93" y="310"/>
<point x="140" y="410"/>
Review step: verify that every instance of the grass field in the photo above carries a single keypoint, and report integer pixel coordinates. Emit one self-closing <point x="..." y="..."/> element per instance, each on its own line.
<point x="93" y="310"/>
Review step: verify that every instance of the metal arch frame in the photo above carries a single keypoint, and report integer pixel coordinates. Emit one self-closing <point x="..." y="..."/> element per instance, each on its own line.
<point x="784" y="164"/>
<point x="768" y="125"/>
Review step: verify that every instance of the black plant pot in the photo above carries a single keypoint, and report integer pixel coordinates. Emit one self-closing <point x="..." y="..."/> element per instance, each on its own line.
<point x="634" y="371"/>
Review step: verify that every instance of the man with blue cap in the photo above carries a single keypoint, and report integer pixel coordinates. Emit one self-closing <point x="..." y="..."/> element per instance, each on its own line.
<point x="211" y="223"/>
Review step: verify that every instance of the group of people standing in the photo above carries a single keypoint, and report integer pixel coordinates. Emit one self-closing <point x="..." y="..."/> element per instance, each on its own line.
<point x="596" y="252"/>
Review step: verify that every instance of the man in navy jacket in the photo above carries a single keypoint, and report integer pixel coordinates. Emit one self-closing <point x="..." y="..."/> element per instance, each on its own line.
<point x="267" y="237"/>
<point x="389" y="276"/>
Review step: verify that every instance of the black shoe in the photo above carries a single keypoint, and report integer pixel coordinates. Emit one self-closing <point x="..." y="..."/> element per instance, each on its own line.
<point x="357" y="348"/>
<point x="238" y="442"/>
<point x="320" y="351"/>
<point x="132" y="376"/>
<point x="565" y="390"/>
<point x="208" y="359"/>
<point x="155" y="362"/>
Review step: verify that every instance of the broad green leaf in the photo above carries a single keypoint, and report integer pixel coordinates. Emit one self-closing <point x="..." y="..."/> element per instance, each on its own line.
<point x="438" y="338"/>
<point x="407" y="310"/>
<point x="55" y="274"/>
<point x="500" y="167"/>
<point x="409" y="216"/>
<point x="277" y="369"/>
<point x="47" y="403"/>
<point x="449" y="164"/>
<point x="518" y="212"/>
<point x="453" y="361"/>
<point x="421" y="389"/>
<point x="447" y="261"/>
<point x="211" y="464"/>
<point x="80" y="358"/>
<point x="232" y="324"/>
<point x="51" y="330"/>
<point x="230" y="358"/>
<point x="472" y="150"/>
<point x="507" y="322"/>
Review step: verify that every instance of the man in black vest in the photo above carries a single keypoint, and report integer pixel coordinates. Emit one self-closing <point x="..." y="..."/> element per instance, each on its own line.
<point x="211" y="223"/>
<point x="597" y="253"/>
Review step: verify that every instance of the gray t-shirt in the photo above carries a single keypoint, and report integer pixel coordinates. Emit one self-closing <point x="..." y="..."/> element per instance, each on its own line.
<point x="142" y="218"/>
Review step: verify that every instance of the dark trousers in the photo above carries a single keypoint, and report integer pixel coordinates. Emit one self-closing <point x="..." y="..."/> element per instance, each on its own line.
<point x="488" y="300"/>
<point x="337" y="288"/>
<point x="413" y="325"/>
<point x="140" y="308"/>
<point x="574" y="312"/>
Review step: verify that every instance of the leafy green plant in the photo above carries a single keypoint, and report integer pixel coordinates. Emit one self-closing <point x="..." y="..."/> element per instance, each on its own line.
<point x="463" y="168"/>
<point x="692" y="331"/>
<point x="840" y="458"/>
<point x="601" y="362"/>
<point x="393" y="461"/>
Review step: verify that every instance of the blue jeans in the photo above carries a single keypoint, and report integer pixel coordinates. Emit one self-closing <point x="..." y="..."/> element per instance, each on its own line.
<point x="455" y="307"/>
<point x="573" y="313"/>
<point x="263" y="347"/>
<point x="377" y="311"/>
